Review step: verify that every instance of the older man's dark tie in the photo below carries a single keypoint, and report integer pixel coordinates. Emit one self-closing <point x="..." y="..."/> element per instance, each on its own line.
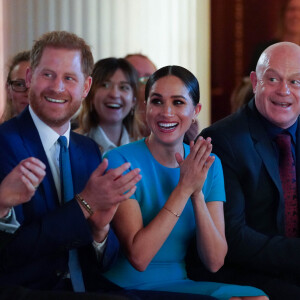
<point x="288" y="180"/>
<point x="67" y="194"/>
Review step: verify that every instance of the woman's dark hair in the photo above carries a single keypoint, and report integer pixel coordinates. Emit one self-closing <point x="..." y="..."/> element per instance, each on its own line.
<point x="189" y="80"/>
<point x="106" y="68"/>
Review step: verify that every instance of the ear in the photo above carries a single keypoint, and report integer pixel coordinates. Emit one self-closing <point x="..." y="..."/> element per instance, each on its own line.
<point x="197" y="109"/>
<point x="87" y="86"/>
<point x="253" y="78"/>
<point x="28" y="78"/>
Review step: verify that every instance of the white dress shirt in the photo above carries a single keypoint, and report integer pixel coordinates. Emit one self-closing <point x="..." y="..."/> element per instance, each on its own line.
<point x="9" y="223"/>
<point x="51" y="146"/>
<point x="100" y="137"/>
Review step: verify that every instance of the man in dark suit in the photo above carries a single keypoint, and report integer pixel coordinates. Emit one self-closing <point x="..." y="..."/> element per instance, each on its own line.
<point x="37" y="256"/>
<point x="260" y="252"/>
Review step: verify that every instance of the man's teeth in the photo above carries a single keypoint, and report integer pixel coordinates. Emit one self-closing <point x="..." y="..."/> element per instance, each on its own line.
<point x="284" y="104"/>
<point x="55" y="100"/>
<point x="167" y="125"/>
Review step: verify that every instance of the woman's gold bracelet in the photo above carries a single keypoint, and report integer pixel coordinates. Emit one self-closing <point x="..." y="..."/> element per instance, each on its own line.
<point x="172" y="212"/>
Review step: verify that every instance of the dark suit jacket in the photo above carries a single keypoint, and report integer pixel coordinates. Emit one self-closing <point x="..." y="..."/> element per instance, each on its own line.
<point x="254" y="209"/>
<point x="37" y="256"/>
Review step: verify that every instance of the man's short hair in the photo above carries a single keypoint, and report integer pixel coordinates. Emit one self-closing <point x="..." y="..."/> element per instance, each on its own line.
<point x="63" y="40"/>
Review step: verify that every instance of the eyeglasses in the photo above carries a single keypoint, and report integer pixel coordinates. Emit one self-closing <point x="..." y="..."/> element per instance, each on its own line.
<point x="18" y="85"/>
<point x="143" y="80"/>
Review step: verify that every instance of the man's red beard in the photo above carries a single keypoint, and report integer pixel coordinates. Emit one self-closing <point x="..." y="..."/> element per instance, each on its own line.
<point x="50" y="121"/>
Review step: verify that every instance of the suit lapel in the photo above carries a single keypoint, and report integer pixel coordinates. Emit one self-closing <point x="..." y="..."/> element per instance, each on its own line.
<point x="266" y="151"/>
<point x="46" y="196"/>
<point x="264" y="146"/>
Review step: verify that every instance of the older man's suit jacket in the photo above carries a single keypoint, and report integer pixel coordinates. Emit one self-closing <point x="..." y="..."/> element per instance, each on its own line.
<point x="37" y="256"/>
<point x="254" y="209"/>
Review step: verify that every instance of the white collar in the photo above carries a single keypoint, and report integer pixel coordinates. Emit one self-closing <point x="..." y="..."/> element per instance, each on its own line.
<point x="47" y="134"/>
<point x="100" y="137"/>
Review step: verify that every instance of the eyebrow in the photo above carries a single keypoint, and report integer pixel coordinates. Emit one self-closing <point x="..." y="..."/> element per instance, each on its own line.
<point x="271" y="71"/>
<point x="71" y="74"/>
<point x="108" y="80"/>
<point x="274" y="71"/>
<point x="155" y="94"/>
<point x="173" y="96"/>
<point x="67" y="73"/>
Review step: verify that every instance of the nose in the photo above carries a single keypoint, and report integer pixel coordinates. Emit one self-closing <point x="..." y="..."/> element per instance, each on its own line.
<point x="284" y="89"/>
<point x="167" y="109"/>
<point x="58" y="85"/>
<point x="114" y="91"/>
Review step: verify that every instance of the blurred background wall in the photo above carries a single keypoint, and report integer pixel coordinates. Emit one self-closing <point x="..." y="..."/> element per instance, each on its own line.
<point x="167" y="31"/>
<point x="2" y="63"/>
<point x="215" y="39"/>
<point x="237" y="28"/>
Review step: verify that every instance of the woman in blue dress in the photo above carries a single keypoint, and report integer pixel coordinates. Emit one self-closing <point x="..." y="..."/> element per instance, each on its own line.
<point x="181" y="194"/>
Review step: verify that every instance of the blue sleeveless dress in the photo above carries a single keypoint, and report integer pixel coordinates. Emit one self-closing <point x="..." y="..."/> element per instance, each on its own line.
<point x="167" y="272"/>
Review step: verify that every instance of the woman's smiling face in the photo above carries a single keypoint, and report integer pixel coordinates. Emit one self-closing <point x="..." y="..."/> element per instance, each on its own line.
<point x="114" y="99"/>
<point x="170" y="110"/>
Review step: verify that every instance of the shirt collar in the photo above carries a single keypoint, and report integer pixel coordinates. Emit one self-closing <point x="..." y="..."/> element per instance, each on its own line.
<point x="98" y="134"/>
<point x="47" y="134"/>
<point x="274" y="130"/>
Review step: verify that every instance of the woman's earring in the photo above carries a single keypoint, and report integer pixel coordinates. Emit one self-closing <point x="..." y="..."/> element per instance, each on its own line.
<point x="193" y="120"/>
